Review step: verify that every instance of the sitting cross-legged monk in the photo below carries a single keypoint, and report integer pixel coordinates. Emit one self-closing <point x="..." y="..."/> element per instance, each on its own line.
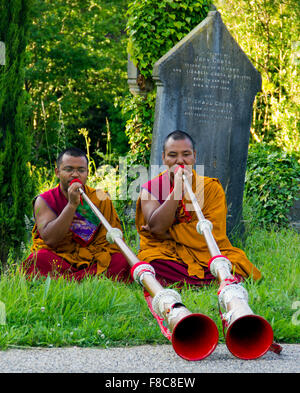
<point x="68" y="239"/>
<point x="166" y="224"/>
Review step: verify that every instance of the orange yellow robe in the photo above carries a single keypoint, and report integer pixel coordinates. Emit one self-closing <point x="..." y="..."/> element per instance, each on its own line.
<point x="187" y="245"/>
<point x="97" y="249"/>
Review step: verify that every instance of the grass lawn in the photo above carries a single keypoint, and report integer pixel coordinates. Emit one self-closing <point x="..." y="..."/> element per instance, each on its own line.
<point x="99" y="312"/>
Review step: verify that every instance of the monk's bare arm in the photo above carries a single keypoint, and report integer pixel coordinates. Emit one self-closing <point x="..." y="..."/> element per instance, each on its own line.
<point x="52" y="228"/>
<point x="158" y="217"/>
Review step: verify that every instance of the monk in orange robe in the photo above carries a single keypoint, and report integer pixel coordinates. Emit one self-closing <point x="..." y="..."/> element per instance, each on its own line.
<point x="68" y="239"/>
<point x="167" y="223"/>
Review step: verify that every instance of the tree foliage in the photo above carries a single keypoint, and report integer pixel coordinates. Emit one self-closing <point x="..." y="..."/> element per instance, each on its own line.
<point x="76" y="71"/>
<point x="268" y="32"/>
<point x="16" y="186"/>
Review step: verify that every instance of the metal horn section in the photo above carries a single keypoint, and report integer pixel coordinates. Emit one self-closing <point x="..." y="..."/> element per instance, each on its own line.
<point x="248" y="336"/>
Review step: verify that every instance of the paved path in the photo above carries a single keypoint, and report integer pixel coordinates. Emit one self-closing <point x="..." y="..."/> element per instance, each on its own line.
<point x="142" y="359"/>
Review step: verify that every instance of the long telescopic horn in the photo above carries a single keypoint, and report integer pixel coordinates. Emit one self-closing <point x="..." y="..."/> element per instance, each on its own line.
<point x="248" y="336"/>
<point x="194" y="336"/>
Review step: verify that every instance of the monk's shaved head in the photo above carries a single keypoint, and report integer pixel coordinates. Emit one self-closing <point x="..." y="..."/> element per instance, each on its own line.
<point x="179" y="135"/>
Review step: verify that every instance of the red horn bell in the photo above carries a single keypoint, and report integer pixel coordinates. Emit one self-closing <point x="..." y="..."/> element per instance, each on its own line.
<point x="195" y="337"/>
<point x="249" y="337"/>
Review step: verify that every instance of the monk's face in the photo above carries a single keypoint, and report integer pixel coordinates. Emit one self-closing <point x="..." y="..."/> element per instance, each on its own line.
<point x="71" y="168"/>
<point x="178" y="152"/>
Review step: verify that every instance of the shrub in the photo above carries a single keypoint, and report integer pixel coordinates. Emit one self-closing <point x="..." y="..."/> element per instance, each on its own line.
<point x="272" y="182"/>
<point x="140" y="113"/>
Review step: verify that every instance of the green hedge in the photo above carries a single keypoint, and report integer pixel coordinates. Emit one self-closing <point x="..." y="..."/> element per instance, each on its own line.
<point x="272" y="183"/>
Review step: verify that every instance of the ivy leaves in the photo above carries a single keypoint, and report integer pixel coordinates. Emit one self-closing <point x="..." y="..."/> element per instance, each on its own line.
<point x="155" y="27"/>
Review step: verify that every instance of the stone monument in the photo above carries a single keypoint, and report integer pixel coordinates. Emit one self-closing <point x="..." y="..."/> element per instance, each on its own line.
<point x="206" y="86"/>
<point x="2" y="53"/>
<point x="138" y="85"/>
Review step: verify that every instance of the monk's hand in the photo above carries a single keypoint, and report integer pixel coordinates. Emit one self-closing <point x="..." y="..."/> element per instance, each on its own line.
<point x="74" y="194"/>
<point x="179" y="179"/>
<point x="187" y="170"/>
<point x="178" y="183"/>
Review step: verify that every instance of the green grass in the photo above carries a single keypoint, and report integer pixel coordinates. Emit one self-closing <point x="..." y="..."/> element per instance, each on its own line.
<point x="100" y="312"/>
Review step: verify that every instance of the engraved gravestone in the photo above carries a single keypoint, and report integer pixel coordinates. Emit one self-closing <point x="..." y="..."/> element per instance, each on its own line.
<point x="206" y="86"/>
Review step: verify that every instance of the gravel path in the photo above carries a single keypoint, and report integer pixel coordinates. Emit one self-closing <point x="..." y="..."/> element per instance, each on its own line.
<point x="142" y="359"/>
